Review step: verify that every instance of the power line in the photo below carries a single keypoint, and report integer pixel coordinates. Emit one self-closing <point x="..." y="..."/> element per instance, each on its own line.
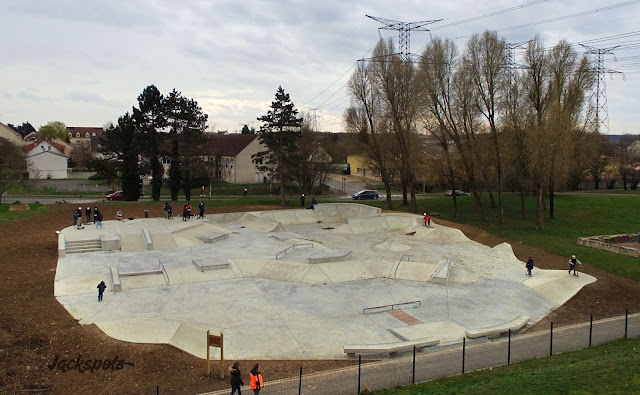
<point x="494" y="13"/>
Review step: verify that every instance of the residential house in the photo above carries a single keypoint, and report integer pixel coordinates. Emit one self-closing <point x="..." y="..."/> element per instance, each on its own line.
<point x="10" y="135"/>
<point x="85" y="138"/>
<point x="46" y="160"/>
<point x="233" y="156"/>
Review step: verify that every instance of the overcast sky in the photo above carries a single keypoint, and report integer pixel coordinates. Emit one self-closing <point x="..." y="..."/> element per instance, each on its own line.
<point x="85" y="62"/>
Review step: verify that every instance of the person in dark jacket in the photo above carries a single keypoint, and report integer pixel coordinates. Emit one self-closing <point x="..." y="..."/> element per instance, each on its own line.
<point x="87" y="213"/>
<point x="101" y="287"/>
<point x="236" y="378"/>
<point x="201" y="207"/>
<point x="529" y="266"/>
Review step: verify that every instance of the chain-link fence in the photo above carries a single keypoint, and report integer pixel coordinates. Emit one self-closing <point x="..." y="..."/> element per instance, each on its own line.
<point x="434" y="363"/>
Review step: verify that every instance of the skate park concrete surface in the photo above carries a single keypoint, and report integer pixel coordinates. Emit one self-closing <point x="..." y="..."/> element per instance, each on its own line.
<point x="296" y="284"/>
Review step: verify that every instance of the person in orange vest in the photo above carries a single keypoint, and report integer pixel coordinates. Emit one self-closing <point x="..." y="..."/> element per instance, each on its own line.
<point x="256" y="380"/>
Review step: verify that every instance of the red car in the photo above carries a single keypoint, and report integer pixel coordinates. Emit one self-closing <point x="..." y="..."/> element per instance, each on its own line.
<point x="117" y="195"/>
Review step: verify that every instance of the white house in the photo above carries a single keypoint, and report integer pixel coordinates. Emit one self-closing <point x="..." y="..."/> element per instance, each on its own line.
<point x="46" y="160"/>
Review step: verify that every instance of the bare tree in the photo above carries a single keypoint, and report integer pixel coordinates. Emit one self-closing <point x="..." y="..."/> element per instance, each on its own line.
<point x="486" y="57"/>
<point x="366" y="118"/>
<point x="450" y="100"/>
<point x="397" y="83"/>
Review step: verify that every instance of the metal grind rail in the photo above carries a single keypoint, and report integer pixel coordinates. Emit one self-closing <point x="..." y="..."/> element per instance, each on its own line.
<point x="393" y="306"/>
<point x="284" y="252"/>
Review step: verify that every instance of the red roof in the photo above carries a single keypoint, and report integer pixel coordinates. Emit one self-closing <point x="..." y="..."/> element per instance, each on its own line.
<point x="29" y="147"/>
<point x="231" y="144"/>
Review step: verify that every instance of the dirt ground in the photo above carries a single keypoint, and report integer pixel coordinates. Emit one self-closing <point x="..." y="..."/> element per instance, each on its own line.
<point x="35" y="329"/>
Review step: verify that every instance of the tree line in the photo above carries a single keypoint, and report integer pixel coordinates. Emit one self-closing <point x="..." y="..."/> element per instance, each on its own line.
<point x="498" y="125"/>
<point x="172" y="129"/>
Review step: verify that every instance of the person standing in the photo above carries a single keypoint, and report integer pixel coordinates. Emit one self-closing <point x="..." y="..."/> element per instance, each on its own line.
<point x="99" y="223"/>
<point x="101" y="288"/>
<point x="75" y="217"/>
<point x="302" y="199"/>
<point x="257" y="381"/>
<point x="201" y="208"/>
<point x="425" y="219"/>
<point x="244" y="192"/>
<point x="95" y="214"/>
<point x="166" y="209"/>
<point x="87" y="213"/>
<point x="236" y="378"/>
<point x="428" y="221"/>
<point x="572" y="265"/>
<point x="169" y="211"/>
<point x="529" y="266"/>
<point x="202" y="191"/>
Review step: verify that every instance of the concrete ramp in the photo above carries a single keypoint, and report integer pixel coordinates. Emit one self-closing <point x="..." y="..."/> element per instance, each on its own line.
<point x="379" y="224"/>
<point x="253" y="221"/>
<point x="132" y="243"/>
<point x="440" y="235"/>
<point x="140" y="330"/>
<point x="193" y="339"/>
<point x="557" y="286"/>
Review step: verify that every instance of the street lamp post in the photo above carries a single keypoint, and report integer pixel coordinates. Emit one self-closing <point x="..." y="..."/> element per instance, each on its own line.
<point x="342" y="183"/>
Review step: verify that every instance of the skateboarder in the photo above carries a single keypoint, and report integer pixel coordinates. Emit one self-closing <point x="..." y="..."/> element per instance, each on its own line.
<point x="572" y="265"/>
<point x="236" y="378"/>
<point x="529" y="266"/>
<point x="101" y="287"/>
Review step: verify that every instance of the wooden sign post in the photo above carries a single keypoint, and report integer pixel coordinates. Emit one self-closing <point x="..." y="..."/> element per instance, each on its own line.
<point x="215" y="341"/>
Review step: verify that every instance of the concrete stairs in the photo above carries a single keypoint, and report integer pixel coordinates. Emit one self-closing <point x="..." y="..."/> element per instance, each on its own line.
<point x="80" y="246"/>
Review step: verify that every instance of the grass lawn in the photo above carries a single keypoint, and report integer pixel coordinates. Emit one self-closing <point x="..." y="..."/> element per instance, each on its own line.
<point x="613" y="368"/>
<point x="577" y="215"/>
<point x="7" y="214"/>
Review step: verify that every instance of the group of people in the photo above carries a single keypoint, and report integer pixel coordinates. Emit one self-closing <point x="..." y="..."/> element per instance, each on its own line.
<point x="427" y="220"/>
<point x="255" y="376"/>
<point x="573" y="262"/>
<point x="77" y="217"/>
<point x="186" y="211"/>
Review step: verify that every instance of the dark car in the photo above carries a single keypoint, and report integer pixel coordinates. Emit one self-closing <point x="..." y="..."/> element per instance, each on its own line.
<point x="458" y="193"/>
<point x="117" y="195"/>
<point x="366" y="194"/>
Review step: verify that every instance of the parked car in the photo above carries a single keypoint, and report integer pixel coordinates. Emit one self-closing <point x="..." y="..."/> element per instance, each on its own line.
<point x="365" y="194"/>
<point x="117" y="195"/>
<point x="458" y="193"/>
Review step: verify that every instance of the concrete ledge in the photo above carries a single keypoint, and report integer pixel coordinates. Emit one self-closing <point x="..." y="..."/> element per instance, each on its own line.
<point x="110" y="243"/>
<point x="115" y="279"/>
<point x="212" y="237"/>
<point x="148" y="242"/>
<point x="514" y="325"/>
<point x="62" y="245"/>
<point x="209" y="264"/>
<point x="442" y="275"/>
<point x="609" y="243"/>
<point x="388" y="348"/>
<point x="329" y="255"/>
<point x="188" y="227"/>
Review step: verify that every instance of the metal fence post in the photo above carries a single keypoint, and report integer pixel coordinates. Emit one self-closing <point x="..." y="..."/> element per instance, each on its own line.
<point x="590" y="329"/>
<point x="413" y="373"/>
<point x="551" y="341"/>
<point x="509" y="352"/>
<point x="626" y="322"/>
<point x="359" y="371"/>
<point x="300" y="382"/>
<point x="464" y="346"/>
